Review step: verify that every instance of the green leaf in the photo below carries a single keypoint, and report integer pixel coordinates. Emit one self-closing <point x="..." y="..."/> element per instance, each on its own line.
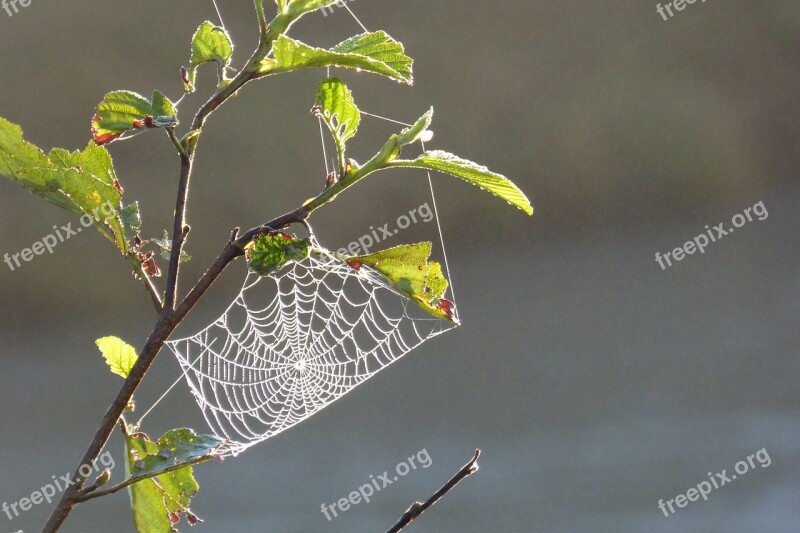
<point x="159" y="502"/>
<point x="372" y="52"/>
<point x="407" y="268"/>
<point x="123" y="111"/>
<point x="165" y="244"/>
<point x="83" y="183"/>
<point x="16" y="154"/>
<point x="380" y="47"/>
<point x="268" y="253"/>
<point x="179" y="446"/>
<point x="131" y="219"/>
<point x="420" y="131"/>
<point x="337" y="109"/>
<point x="119" y="355"/>
<point x="210" y="44"/>
<point x="481" y="176"/>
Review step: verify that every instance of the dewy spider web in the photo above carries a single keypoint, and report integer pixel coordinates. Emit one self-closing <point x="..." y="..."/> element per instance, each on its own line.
<point x="293" y="342"/>
<point x="270" y="362"/>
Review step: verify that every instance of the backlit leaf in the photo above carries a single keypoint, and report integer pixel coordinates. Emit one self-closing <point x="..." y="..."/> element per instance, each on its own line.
<point x="269" y="253"/>
<point x="336" y="108"/>
<point x="210" y="44"/>
<point x="119" y="355"/>
<point x="159" y="502"/>
<point x="481" y="176"/>
<point x="82" y="182"/>
<point x="407" y="268"/>
<point x="124" y="111"/>
<point x="165" y="245"/>
<point x="371" y="52"/>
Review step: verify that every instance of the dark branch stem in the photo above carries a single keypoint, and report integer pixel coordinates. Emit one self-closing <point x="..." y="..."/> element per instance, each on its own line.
<point x="418" y="508"/>
<point x="179" y="232"/>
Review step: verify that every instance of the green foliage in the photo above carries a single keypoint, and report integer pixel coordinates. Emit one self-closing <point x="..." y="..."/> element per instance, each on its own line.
<point x="269" y="253"/>
<point x="388" y="157"/>
<point x="83" y="183"/>
<point x="407" y="268"/>
<point x="124" y="111"/>
<point x="336" y="108"/>
<point x="119" y="355"/>
<point x="165" y="245"/>
<point x="371" y="52"/>
<point x="210" y="44"/>
<point x="131" y="220"/>
<point x="158" y="502"/>
<point x="481" y="176"/>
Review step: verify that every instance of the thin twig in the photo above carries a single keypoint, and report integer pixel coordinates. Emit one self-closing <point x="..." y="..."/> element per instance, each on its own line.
<point x="176" y="143"/>
<point x="418" y="508"/>
<point x="179" y="232"/>
<point x="262" y="19"/>
<point x="152" y="290"/>
<point x="90" y="495"/>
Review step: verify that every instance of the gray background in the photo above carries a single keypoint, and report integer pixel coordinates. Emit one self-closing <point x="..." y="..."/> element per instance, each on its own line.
<point x="595" y="382"/>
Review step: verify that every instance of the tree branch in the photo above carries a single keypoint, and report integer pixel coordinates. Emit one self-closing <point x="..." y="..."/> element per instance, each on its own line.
<point x="166" y="323"/>
<point x="170" y="316"/>
<point x="90" y="495"/>
<point x="179" y="231"/>
<point x="418" y="508"/>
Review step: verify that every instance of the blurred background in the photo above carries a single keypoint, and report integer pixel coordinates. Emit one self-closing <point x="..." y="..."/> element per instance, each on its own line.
<point x="595" y="382"/>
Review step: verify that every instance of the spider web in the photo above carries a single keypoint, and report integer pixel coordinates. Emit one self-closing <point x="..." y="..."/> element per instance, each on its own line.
<point x="293" y="342"/>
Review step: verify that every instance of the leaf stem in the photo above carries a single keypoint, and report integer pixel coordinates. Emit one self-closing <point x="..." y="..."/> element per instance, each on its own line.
<point x="178" y="146"/>
<point x="262" y="19"/>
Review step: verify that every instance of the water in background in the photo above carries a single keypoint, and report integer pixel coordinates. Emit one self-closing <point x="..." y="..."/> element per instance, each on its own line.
<point x="595" y="383"/>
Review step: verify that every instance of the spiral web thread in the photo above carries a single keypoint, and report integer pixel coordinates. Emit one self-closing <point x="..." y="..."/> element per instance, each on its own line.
<point x="267" y="364"/>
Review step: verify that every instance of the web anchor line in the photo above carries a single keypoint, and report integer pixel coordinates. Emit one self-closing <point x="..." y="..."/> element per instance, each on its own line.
<point x="430" y="179"/>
